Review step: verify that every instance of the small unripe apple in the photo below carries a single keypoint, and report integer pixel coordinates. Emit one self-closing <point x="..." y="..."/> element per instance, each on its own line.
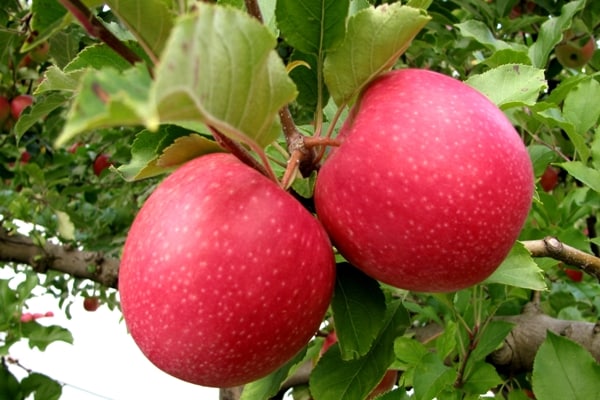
<point x="430" y="186"/>
<point x="549" y="179"/>
<point x="575" y="53"/>
<point x="91" y="303"/>
<point x="101" y="163"/>
<point x="4" y="110"/>
<point x="224" y="276"/>
<point x="19" y="103"/>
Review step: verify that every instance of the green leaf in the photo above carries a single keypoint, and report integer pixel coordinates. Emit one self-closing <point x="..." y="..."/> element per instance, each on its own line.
<point x="240" y="90"/>
<point x="41" y="336"/>
<point x="564" y="370"/>
<point x="375" y="38"/>
<point x="267" y="387"/>
<point x="108" y="98"/>
<point x="510" y="85"/>
<point x="55" y="79"/>
<point x="42" y="386"/>
<point x="9" y="385"/>
<point x="550" y="33"/>
<point x="312" y="26"/>
<point x="358" y="311"/>
<point x="98" y="56"/>
<point x="150" y="21"/>
<point x="479" y="31"/>
<point x="409" y="351"/>
<point x="39" y="109"/>
<point x="432" y="377"/>
<point x="588" y="176"/>
<point x="154" y="153"/>
<point x="481" y="378"/>
<point x="578" y="110"/>
<point x="334" y="378"/>
<point x="490" y="339"/>
<point x="519" y="270"/>
<point x="66" y="229"/>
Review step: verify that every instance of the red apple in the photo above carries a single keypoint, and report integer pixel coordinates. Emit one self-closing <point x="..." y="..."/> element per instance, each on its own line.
<point x="549" y="179"/>
<point x="431" y="184"/>
<point x="576" y="275"/>
<point x="101" y="163"/>
<point x="73" y="148"/>
<point x="575" y="53"/>
<point x="39" y="54"/>
<point x="4" y="110"/>
<point x="224" y="276"/>
<point x="19" y="103"/>
<point x="91" y="303"/>
<point x="387" y="382"/>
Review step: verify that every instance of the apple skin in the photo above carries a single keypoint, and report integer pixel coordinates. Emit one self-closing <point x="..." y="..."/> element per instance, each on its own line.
<point x="224" y="276"/>
<point x="19" y="103"/>
<point x="430" y="186"/>
<point x="575" y="53"/>
<point x="101" y="163"/>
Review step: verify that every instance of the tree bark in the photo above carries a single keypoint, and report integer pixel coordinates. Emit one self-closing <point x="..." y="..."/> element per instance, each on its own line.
<point x="18" y="248"/>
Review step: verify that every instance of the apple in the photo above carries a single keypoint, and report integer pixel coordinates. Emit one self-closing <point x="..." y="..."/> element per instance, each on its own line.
<point x="73" y="148"/>
<point x="387" y="382"/>
<point x="101" y="163"/>
<point x="576" y="275"/>
<point x="224" y="276"/>
<point x="430" y="186"/>
<point x="549" y="179"/>
<point x="19" y="103"/>
<point x="25" y="157"/>
<point x="4" y="110"/>
<point x="39" y="54"/>
<point x="91" y="303"/>
<point x="575" y="53"/>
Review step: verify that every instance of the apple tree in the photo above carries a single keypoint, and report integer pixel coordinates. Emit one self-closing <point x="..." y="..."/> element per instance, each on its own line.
<point x="318" y="199"/>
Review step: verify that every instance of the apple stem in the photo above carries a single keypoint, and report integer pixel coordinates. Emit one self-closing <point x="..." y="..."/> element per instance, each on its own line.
<point x="239" y="151"/>
<point x="310" y="142"/>
<point x="96" y="29"/>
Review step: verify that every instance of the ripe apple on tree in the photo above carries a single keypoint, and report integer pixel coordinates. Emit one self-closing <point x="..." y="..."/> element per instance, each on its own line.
<point x="91" y="303"/>
<point x="4" y="110"/>
<point x="224" y="276"/>
<point x="19" y="103"/>
<point x="430" y="186"/>
<point x="101" y="163"/>
<point x="549" y="179"/>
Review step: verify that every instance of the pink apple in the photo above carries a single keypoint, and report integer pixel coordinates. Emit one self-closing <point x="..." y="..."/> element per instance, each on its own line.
<point x="224" y="276"/>
<point x="430" y="186"/>
<point x="19" y="103"/>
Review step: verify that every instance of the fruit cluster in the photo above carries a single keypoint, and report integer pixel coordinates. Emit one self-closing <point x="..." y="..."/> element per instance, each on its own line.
<point x="428" y="191"/>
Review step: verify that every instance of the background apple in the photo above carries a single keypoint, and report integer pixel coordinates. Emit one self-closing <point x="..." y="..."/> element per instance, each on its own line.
<point x="549" y="179"/>
<point x="4" y="110"/>
<point x="101" y="163"/>
<point x="19" y="103"/>
<point x="430" y="186"/>
<point x="91" y="303"/>
<point x="224" y="276"/>
<point x="39" y="54"/>
<point x="575" y="53"/>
